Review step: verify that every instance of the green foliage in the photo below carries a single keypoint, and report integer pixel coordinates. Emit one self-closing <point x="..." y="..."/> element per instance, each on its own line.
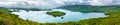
<point x="6" y="18"/>
<point x="56" y="13"/>
<point x="87" y="8"/>
<point x="113" y="19"/>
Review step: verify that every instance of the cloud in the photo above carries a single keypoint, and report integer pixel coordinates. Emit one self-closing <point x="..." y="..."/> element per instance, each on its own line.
<point x="7" y="3"/>
<point x="54" y="3"/>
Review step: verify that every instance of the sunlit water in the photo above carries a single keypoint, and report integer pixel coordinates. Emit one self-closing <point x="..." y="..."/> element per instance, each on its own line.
<point x="42" y="17"/>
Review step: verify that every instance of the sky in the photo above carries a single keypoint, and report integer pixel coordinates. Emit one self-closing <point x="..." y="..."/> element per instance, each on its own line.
<point x="55" y="3"/>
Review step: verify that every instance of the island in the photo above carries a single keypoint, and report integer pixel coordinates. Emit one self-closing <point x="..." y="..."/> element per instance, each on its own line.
<point x="55" y="13"/>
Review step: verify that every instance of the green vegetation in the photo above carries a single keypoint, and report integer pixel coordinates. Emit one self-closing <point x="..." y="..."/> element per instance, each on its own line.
<point x="6" y="18"/>
<point x="30" y="9"/>
<point x="87" y="8"/>
<point x="56" y="13"/>
<point x="113" y="19"/>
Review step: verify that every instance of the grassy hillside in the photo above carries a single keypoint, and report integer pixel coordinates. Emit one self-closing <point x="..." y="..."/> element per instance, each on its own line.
<point x="10" y="19"/>
<point x="87" y="8"/>
<point x="113" y="19"/>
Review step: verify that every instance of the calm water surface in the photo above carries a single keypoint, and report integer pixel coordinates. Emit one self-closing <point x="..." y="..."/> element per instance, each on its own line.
<point x="42" y="17"/>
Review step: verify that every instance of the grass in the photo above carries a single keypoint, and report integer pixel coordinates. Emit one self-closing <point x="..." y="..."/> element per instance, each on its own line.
<point x="113" y="19"/>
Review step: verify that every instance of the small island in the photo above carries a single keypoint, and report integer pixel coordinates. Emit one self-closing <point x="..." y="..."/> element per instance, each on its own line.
<point x="56" y="13"/>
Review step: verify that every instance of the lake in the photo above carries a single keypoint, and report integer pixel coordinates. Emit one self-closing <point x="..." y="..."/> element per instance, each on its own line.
<point x="42" y="17"/>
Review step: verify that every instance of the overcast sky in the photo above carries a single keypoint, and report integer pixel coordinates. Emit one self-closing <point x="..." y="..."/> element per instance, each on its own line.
<point x="48" y="3"/>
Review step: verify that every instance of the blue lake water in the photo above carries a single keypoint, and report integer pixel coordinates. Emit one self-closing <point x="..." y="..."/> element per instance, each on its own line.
<point x="42" y="17"/>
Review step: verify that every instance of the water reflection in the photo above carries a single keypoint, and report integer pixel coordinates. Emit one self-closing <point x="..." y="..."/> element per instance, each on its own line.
<point x="42" y="17"/>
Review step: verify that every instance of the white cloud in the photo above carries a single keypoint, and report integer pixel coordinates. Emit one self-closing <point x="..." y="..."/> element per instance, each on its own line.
<point x="7" y="3"/>
<point x="46" y="3"/>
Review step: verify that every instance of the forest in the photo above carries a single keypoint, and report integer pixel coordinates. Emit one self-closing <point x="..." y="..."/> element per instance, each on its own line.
<point x="6" y="18"/>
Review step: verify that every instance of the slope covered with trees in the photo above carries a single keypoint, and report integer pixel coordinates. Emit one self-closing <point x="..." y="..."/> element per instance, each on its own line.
<point x="6" y="18"/>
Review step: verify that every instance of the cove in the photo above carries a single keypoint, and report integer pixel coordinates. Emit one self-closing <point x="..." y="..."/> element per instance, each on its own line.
<point x="42" y="17"/>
